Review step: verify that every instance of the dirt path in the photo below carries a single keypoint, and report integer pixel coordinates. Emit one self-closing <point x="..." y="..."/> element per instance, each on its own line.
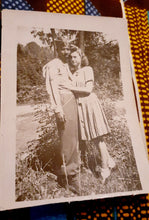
<point x="26" y="127"/>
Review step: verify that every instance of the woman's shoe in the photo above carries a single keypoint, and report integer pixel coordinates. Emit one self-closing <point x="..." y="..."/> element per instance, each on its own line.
<point x="105" y="173"/>
<point x="111" y="163"/>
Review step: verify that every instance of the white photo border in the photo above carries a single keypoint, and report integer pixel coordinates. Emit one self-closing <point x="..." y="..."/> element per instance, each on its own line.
<point x="11" y="20"/>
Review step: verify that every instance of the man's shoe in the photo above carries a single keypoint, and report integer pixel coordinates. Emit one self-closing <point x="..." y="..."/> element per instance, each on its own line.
<point x="74" y="184"/>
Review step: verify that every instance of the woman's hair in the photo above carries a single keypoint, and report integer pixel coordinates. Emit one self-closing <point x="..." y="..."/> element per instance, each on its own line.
<point x="84" y="59"/>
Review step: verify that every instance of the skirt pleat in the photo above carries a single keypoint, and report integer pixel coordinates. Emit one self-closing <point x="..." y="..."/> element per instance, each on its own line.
<point x="92" y="119"/>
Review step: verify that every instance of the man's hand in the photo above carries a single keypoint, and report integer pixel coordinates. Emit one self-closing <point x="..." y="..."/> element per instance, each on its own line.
<point x="60" y="119"/>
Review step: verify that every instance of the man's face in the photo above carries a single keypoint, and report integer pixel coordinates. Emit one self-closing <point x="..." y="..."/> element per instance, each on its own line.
<point x="64" y="53"/>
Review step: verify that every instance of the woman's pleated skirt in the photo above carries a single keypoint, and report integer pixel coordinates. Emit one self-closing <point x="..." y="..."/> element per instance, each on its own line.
<point x="92" y="119"/>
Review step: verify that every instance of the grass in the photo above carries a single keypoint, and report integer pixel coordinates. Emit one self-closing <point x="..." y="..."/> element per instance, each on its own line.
<point x="35" y="167"/>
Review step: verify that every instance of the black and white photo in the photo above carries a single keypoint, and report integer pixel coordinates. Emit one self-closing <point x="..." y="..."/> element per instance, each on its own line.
<point x="70" y="108"/>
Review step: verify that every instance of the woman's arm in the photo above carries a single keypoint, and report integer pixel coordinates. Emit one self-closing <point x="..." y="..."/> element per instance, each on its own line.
<point x="87" y="89"/>
<point x="88" y="82"/>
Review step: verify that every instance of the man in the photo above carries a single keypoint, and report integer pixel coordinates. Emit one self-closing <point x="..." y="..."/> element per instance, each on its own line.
<point x="64" y="105"/>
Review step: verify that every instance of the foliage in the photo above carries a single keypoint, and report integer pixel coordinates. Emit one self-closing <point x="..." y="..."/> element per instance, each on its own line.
<point x="94" y="39"/>
<point x="33" y="184"/>
<point x="32" y="180"/>
<point x="30" y="60"/>
<point x="46" y="38"/>
<point x="103" y="56"/>
<point x="36" y="168"/>
<point x="105" y="61"/>
<point x="32" y="94"/>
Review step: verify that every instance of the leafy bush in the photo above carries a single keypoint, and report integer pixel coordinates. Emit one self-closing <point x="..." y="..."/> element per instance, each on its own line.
<point x="32" y="95"/>
<point x="36" y="167"/>
<point x="30" y="60"/>
<point x="31" y="165"/>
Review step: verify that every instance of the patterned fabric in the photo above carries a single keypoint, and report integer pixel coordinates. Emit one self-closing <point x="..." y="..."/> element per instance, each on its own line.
<point x="122" y="208"/>
<point x="90" y="9"/>
<point x="68" y="7"/>
<point x="139" y="37"/>
<point x="19" y="4"/>
<point x="110" y="8"/>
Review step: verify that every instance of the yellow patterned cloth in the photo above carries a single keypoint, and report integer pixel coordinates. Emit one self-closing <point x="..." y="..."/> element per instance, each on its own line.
<point x="139" y="38"/>
<point x="66" y="6"/>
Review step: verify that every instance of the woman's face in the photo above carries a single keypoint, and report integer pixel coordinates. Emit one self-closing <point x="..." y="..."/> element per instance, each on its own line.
<point x="75" y="59"/>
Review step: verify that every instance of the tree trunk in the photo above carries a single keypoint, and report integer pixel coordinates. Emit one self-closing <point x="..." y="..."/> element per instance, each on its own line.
<point x="53" y="38"/>
<point x="81" y="40"/>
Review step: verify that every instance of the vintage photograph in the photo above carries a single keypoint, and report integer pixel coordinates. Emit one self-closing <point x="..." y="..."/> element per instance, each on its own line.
<point x="72" y="132"/>
<point x="69" y="124"/>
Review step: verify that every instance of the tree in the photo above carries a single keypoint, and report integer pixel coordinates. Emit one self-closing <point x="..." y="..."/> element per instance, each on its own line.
<point x="103" y="55"/>
<point x="30" y="60"/>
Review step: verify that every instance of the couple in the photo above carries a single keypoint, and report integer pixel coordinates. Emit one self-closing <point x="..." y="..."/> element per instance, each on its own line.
<point x="69" y="83"/>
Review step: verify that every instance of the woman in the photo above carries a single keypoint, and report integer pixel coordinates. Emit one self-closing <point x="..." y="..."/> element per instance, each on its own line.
<point x="93" y="124"/>
<point x="64" y="105"/>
